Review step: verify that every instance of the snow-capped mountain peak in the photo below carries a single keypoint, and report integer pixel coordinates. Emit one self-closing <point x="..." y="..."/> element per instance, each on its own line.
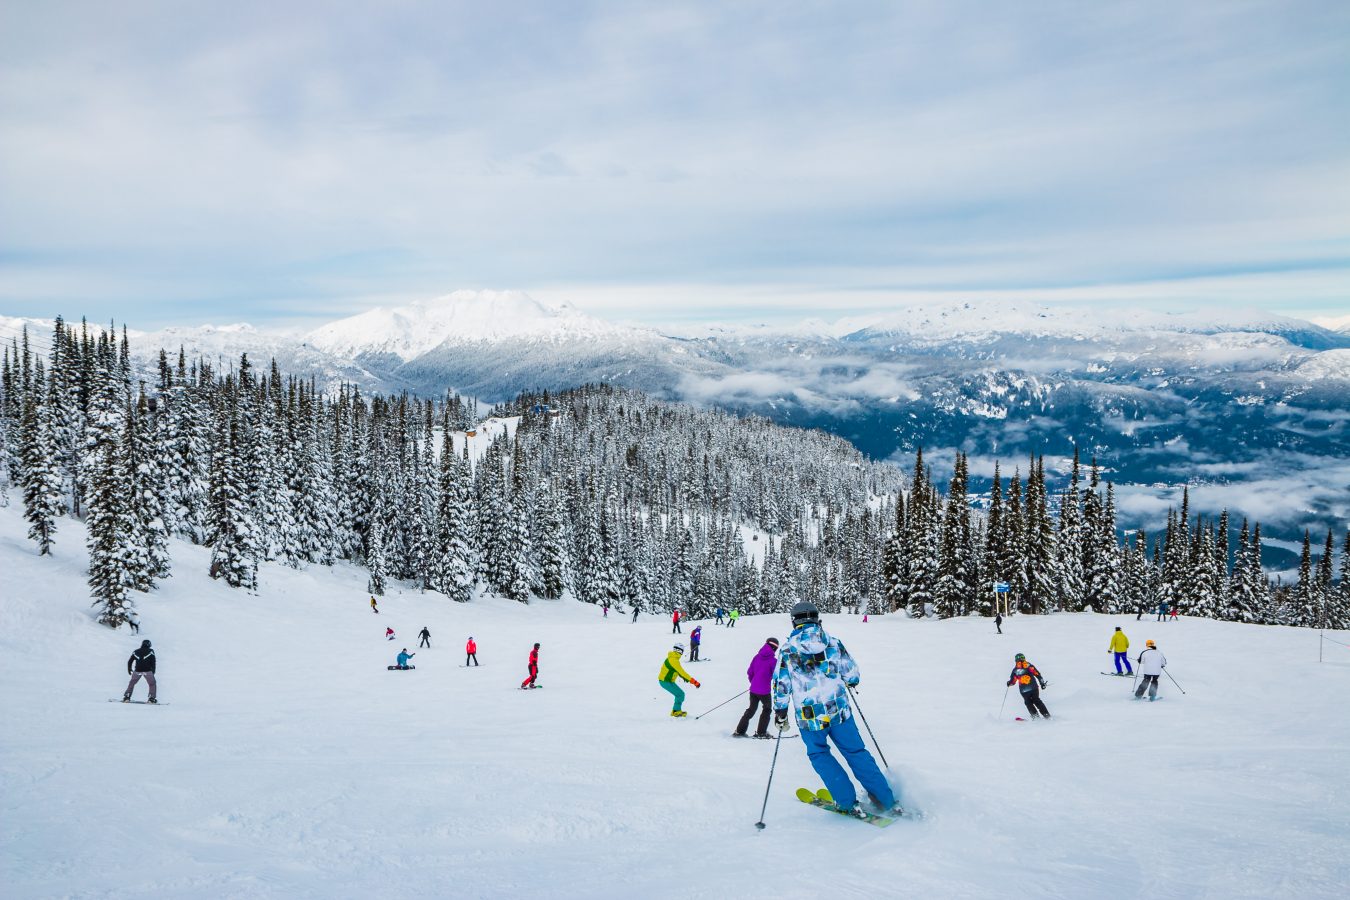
<point x="461" y="317"/>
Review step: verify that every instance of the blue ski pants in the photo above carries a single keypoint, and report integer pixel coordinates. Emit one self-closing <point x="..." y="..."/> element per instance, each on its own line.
<point x="1124" y="658"/>
<point x="675" y="692"/>
<point x="850" y="744"/>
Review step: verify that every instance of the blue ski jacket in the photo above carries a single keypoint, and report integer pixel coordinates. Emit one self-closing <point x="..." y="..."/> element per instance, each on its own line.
<point x="814" y="674"/>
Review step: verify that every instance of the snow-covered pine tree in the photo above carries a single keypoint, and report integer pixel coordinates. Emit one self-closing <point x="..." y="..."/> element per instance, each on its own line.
<point x="231" y="533"/>
<point x="150" y="538"/>
<point x="1343" y="593"/>
<point x="1069" y="582"/>
<point x="376" y="564"/>
<point x="1322" y="586"/>
<point x="111" y="535"/>
<point x="455" y="562"/>
<point x="1040" y="543"/>
<point x="893" y="563"/>
<point x="1306" y="610"/>
<point x="43" y="498"/>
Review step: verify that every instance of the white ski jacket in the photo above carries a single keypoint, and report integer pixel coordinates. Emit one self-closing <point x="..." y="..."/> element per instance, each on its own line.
<point x="1151" y="662"/>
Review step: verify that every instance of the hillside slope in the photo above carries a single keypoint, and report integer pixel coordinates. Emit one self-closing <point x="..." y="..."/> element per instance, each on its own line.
<point x="290" y="763"/>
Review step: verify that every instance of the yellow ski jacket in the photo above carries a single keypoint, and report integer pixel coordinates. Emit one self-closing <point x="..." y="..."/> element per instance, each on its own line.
<point x="1119" y="642"/>
<point x="671" y="668"/>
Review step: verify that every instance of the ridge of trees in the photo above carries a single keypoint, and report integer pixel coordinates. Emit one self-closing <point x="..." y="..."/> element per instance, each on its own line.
<point x="619" y="498"/>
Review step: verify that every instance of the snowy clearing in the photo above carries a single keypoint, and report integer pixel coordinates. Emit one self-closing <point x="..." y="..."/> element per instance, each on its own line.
<point x="291" y="763"/>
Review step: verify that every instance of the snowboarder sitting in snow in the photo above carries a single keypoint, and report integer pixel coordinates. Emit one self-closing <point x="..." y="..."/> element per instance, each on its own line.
<point x="1030" y="682"/>
<point x="694" y="638"/>
<point x="140" y="664"/>
<point x="814" y="673"/>
<point x="389" y="634"/>
<point x="404" y="657"/>
<point x="1151" y="665"/>
<point x="534" y="670"/>
<point x="1119" y="644"/>
<point x="670" y="670"/>
<point x="470" y="652"/>
<point x="760" y="674"/>
<point x="425" y="636"/>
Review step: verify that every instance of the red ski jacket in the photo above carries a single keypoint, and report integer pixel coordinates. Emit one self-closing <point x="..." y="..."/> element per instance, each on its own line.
<point x="471" y="647"/>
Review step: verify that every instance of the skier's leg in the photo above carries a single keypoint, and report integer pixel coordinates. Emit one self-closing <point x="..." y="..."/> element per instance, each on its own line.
<point x="763" y="726"/>
<point x="131" y="685"/>
<point x="1040" y="705"/>
<point x="850" y="743"/>
<point x="150" y="680"/>
<point x="1143" y="683"/>
<point x="1152" y="686"/>
<point x="1129" y="669"/>
<point x="674" y="690"/>
<point x="744" y="723"/>
<point x="1029" y="700"/>
<point x="827" y="767"/>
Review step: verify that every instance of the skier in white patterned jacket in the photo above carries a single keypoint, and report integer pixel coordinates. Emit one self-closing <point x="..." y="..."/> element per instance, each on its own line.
<point x="814" y="674"/>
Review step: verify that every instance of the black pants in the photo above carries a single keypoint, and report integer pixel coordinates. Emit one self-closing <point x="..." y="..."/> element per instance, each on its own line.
<point x="676" y="629"/>
<point x="1150" y="682"/>
<point x="471" y="656"/>
<point x="426" y="642"/>
<point x="693" y="652"/>
<point x="761" y="700"/>
<point x="1034" y="705"/>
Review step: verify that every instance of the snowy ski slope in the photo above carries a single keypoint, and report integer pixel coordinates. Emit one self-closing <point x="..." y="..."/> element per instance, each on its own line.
<point x="291" y="763"/>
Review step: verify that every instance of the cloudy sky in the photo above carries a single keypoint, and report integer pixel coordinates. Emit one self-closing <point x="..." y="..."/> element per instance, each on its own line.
<point x="293" y="162"/>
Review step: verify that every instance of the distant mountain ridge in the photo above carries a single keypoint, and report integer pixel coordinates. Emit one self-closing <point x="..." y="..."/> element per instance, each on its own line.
<point x="1158" y="397"/>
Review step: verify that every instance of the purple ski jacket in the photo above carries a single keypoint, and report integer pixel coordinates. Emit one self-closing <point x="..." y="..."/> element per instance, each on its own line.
<point x="761" y="670"/>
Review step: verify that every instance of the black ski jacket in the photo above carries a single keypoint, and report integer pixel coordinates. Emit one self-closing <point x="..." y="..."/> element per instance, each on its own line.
<point x="143" y="660"/>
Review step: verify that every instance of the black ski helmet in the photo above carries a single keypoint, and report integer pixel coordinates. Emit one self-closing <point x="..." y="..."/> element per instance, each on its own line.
<point x="1020" y="657"/>
<point x="145" y="645"/>
<point x="804" y="612"/>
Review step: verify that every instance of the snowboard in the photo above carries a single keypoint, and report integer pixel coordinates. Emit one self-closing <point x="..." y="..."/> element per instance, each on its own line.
<point x="401" y="668"/>
<point x="821" y="799"/>
<point x="141" y="702"/>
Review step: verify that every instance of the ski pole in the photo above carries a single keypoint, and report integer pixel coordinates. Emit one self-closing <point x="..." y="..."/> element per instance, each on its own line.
<point x="1006" y="688"/>
<point x="773" y="765"/>
<point x="722" y="704"/>
<point x="1174" y="681"/>
<point x="858" y="706"/>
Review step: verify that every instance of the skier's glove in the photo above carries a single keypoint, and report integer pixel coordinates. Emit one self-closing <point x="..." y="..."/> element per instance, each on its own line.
<point x="780" y="720"/>
<point x="1044" y="685"/>
<point x="694" y="682"/>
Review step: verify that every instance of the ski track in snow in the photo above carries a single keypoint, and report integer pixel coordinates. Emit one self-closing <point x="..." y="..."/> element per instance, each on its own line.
<point x="291" y="763"/>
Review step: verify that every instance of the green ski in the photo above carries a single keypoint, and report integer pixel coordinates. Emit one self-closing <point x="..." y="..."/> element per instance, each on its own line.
<point x="823" y="800"/>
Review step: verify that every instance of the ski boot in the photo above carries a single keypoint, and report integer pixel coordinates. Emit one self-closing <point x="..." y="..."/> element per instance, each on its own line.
<point x="152" y="700"/>
<point x="126" y="698"/>
<point x="678" y="713"/>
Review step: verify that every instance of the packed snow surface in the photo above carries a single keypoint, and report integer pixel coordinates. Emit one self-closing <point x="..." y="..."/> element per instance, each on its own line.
<point x="289" y="762"/>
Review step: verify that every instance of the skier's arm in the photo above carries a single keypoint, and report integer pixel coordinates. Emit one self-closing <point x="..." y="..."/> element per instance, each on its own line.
<point x="679" y="670"/>
<point x="130" y="660"/>
<point x="782" y="687"/>
<point x="848" y="669"/>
